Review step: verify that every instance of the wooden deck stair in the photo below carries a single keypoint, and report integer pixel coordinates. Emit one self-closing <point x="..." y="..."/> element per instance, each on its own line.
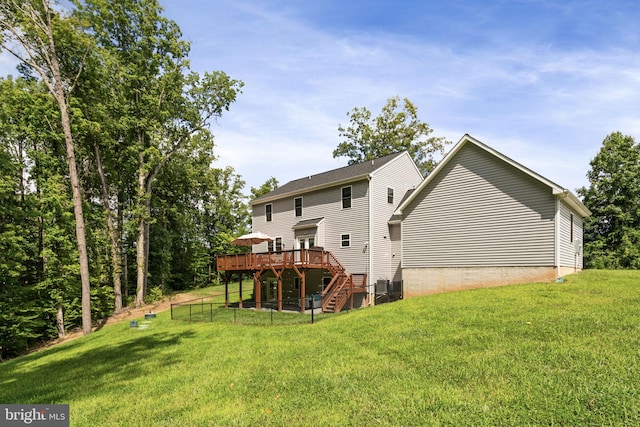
<point x="341" y="288"/>
<point x="334" y="296"/>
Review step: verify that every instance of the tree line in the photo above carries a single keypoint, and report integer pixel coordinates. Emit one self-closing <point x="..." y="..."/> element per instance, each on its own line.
<point x="107" y="188"/>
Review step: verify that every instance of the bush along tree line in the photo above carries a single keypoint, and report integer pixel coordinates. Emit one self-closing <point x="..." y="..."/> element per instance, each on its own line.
<point x="107" y="189"/>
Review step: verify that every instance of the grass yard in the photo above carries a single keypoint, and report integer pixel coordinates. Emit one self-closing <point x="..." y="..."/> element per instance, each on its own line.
<point x="540" y="354"/>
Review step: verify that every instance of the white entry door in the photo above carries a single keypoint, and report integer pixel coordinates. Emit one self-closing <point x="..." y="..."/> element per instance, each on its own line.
<point x="306" y="242"/>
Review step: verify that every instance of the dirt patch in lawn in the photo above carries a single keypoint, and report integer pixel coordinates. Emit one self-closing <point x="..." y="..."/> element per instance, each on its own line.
<point x="129" y="313"/>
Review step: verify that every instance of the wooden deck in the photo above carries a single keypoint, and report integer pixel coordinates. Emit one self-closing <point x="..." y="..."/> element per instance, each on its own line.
<point x="301" y="258"/>
<point x="335" y="295"/>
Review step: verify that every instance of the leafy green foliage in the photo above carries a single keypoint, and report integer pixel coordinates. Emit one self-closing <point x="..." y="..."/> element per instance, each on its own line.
<point x="140" y="121"/>
<point x="612" y="233"/>
<point x="269" y="185"/>
<point x="392" y="131"/>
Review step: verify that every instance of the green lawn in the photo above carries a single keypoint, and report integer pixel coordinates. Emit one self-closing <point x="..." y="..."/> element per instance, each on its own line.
<point x="541" y="354"/>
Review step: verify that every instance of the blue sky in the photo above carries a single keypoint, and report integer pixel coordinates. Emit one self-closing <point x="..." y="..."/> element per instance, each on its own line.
<point x="543" y="82"/>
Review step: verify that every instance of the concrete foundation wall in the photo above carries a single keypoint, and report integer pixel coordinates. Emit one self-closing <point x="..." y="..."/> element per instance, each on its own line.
<point x="563" y="271"/>
<point x="422" y="281"/>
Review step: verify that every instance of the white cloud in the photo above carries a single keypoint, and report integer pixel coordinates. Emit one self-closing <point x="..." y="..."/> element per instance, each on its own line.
<point x="546" y="104"/>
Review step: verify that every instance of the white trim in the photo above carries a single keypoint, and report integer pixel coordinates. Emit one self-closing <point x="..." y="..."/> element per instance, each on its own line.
<point x="266" y="217"/>
<point x="558" y="233"/>
<point x="393" y="195"/>
<point x="301" y="207"/>
<point x="350" y="197"/>
<point x="341" y="240"/>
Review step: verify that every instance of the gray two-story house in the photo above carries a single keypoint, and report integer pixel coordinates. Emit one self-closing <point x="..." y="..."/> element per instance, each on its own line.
<point x="479" y="219"/>
<point x="345" y="211"/>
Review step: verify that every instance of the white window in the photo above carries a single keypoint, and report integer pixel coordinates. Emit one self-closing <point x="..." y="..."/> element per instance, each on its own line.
<point x="345" y="240"/>
<point x="297" y="205"/>
<point x="571" y="228"/>
<point x="390" y="195"/>
<point x="277" y="245"/>
<point x="346" y="197"/>
<point x="268" y="211"/>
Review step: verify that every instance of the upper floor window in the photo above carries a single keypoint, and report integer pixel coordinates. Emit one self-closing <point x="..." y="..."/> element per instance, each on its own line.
<point x="298" y="206"/>
<point x="571" y="228"/>
<point x="346" y="197"/>
<point x="345" y="240"/>
<point x="390" y="195"/>
<point x="268" y="209"/>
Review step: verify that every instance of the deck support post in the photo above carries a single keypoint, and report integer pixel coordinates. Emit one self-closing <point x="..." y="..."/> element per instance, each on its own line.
<point x="257" y="286"/>
<point x="280" y="293"/>
<point x="227" y="277"/>
<point x="240" y="293"/>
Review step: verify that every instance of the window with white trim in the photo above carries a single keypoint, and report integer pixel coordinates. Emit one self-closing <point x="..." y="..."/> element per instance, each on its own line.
<point x="297" y="206"/>
<point x="275" y="245"/>
<point x="346" y="197"/>
<point x="390" y="195"/>
<point x="571" y="228"/>
<point x="345" y="240"/>
<point x="268" y="212"/>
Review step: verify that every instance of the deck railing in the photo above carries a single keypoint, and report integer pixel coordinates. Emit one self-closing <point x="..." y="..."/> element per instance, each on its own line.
<point x="302" y="258"/>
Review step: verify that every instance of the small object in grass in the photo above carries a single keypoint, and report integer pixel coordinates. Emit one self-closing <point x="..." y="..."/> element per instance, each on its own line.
<point x="133" y="324"/>
<point x="560" y="280"/>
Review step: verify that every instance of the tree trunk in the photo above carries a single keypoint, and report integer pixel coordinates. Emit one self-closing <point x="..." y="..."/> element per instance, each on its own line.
<point x="141" y="245"/>
<point x="140" y="264"/>
<point x="60" y="320"/>
<point x="113" y="234"/>
<point x="77" y="197"/>
<point x="80" y="230"/>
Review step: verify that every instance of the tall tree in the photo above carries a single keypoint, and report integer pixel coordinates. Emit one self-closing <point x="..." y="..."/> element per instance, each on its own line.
<point x="612" y="233"/>
<point x="35" y="34"/>
<point x="397" y="128"/>
<point x="166" y="108"/>
<point x="269" y="185"/>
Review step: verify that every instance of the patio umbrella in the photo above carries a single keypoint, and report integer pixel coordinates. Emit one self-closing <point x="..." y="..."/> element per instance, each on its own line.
<point x="251" y="239"/>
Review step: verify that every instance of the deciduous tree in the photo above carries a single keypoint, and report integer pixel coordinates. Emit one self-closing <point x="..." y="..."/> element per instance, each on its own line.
<point x="392" y="131"/>
<point x="612" y="233"/>
<point x="48" y="44"/>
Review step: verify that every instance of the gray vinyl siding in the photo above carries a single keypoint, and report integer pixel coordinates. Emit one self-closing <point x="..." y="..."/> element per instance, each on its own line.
<point x="480" y="211"/>
<point x="402" y="175"/>
<point x="396" y="255"/>
<point x="327" y="204"/>
<point x="566" y="245"/>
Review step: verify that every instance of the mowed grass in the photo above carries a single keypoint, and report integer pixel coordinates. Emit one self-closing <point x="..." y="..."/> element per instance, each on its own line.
<point x="539" y="354"/>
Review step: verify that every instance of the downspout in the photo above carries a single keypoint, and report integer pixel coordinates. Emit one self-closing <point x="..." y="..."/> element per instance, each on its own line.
<point x="556" y="240"/>
<point x="371" y="293"/>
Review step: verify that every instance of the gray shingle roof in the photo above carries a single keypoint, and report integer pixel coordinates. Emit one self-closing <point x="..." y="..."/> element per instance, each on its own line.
<point x="307" y="223"/>
<point x="326" y="178"/>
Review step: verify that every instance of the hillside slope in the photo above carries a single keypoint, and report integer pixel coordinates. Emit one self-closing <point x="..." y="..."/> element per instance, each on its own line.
<point x="535" y="354"/>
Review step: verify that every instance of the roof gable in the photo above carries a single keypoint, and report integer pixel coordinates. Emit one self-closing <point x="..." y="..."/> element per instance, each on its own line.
<point x="557" y="190"/>
<point x="330" y="178"/>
